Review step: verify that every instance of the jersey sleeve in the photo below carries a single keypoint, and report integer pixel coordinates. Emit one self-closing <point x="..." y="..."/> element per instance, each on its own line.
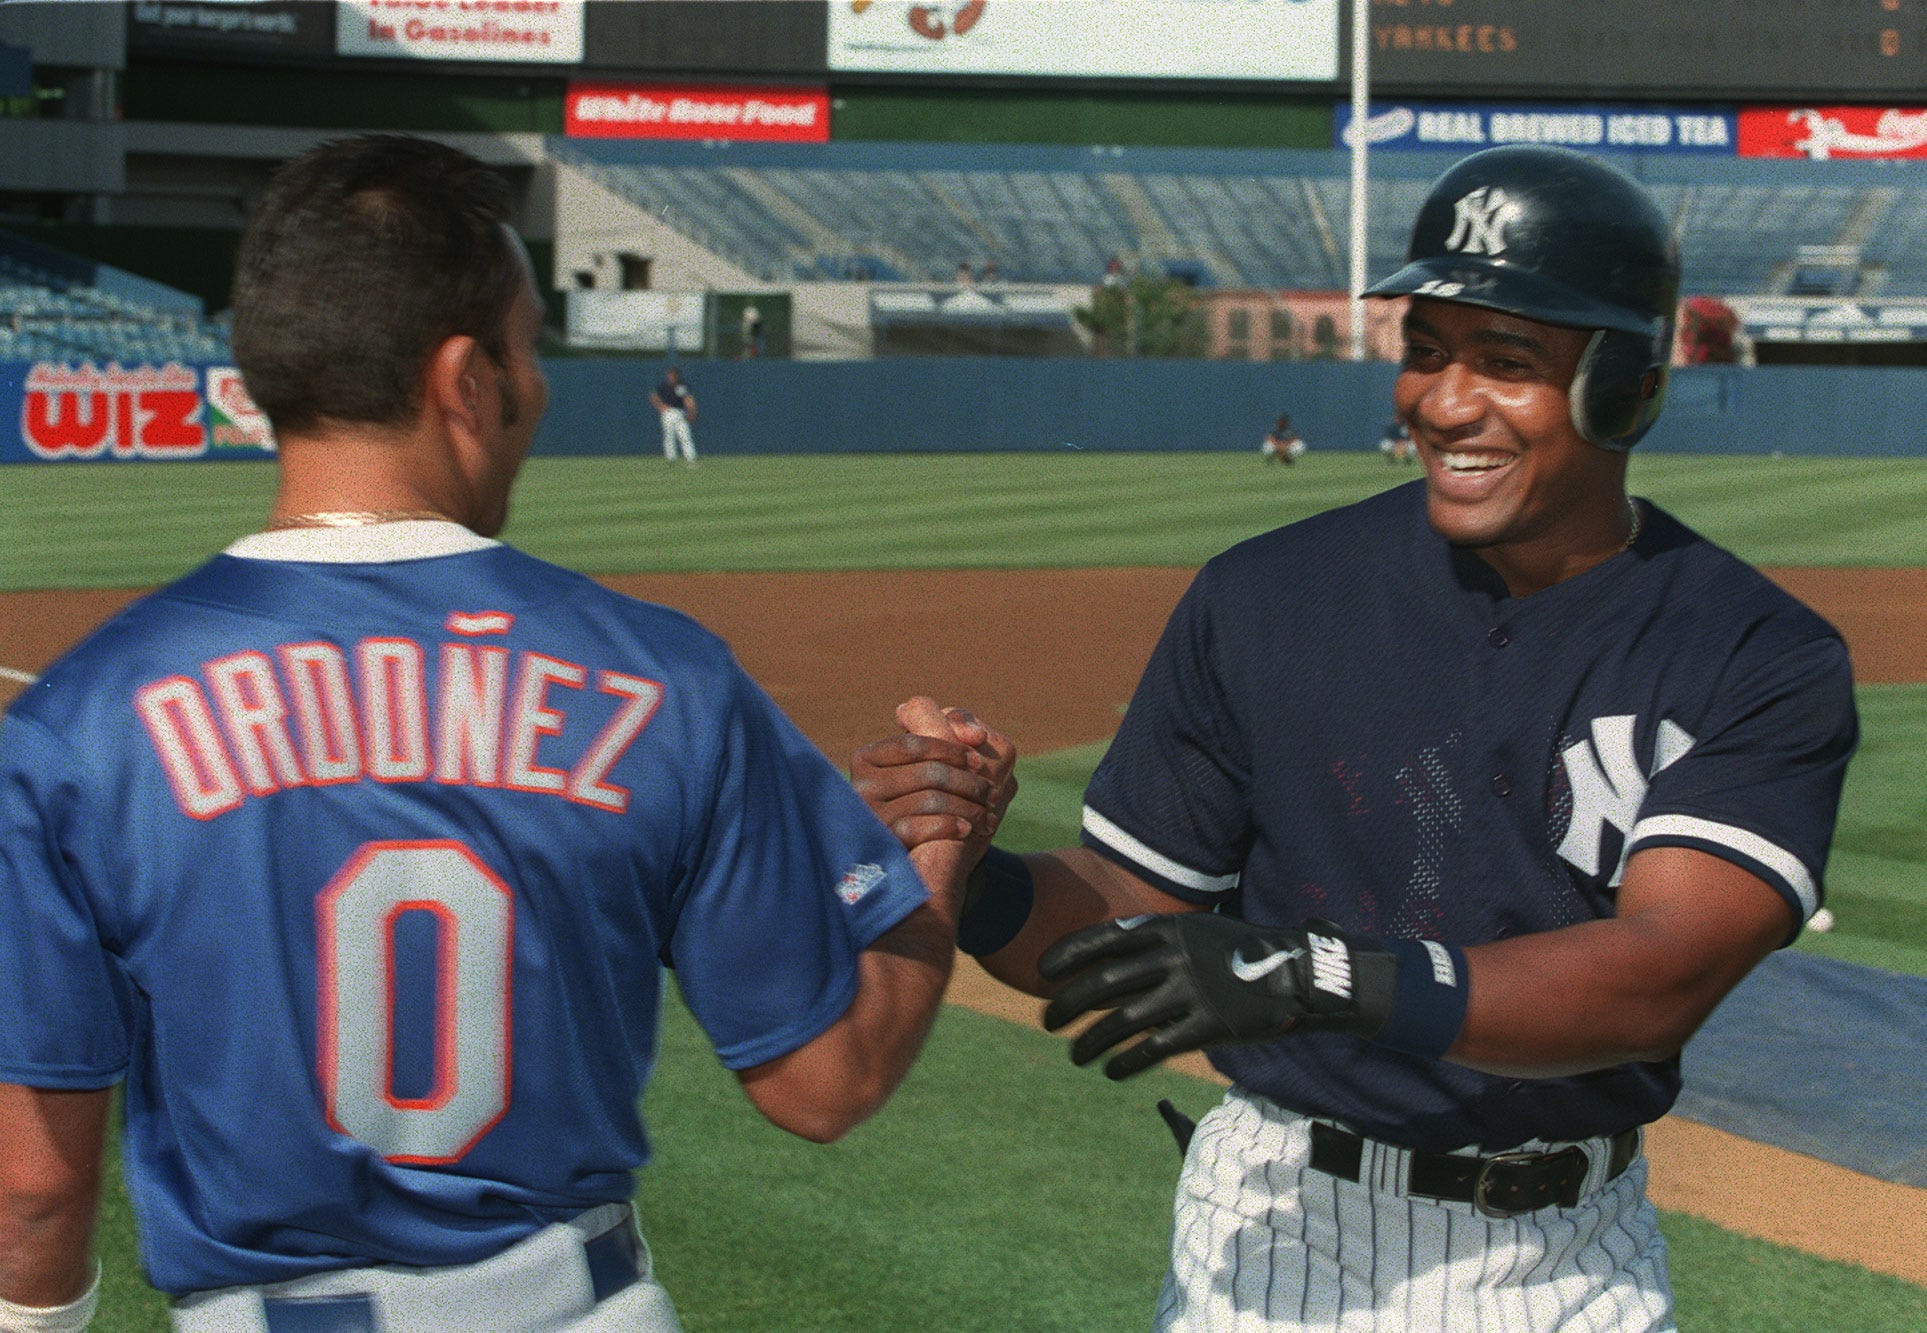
<point x="1761" y="787"/>
<point x="792" y="878"/>
<point x="1170" y="801"/>
<point x="65" y="1010"/>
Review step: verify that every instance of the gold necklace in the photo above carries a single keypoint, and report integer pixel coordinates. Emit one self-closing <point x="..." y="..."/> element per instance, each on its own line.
<point x="1639" y="521"/>
<point x="352" y="518"/>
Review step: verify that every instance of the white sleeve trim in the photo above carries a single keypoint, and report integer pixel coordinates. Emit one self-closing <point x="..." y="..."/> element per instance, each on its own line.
<point x="1775" y="858"/>
<point x="1154" y="861"/>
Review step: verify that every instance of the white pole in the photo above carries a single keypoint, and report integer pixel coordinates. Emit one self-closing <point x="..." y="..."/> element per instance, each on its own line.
<point x="1361" y="114"/>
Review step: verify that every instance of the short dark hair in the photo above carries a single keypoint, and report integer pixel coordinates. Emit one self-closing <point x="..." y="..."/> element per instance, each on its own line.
<point x="364" y="255"/>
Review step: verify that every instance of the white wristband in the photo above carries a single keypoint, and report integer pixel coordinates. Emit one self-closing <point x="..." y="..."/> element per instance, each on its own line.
<point x="69" y="1318"/>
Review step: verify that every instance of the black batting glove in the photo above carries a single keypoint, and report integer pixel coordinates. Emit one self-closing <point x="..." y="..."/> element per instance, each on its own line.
<point x="1193" y="980"/>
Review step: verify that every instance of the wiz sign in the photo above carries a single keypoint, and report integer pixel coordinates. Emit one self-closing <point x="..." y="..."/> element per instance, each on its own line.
<point x="83" y="412"/>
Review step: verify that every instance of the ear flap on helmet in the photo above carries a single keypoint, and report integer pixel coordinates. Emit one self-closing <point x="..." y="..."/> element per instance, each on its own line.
<point x="1608" y="406"/>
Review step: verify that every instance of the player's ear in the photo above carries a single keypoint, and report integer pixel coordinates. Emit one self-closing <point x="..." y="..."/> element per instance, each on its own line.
<point x="453" y="387"/>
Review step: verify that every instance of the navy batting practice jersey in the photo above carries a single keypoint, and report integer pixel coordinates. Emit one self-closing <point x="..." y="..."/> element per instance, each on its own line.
<point x="1350" y="719"/>
<point x="361" y="863"/>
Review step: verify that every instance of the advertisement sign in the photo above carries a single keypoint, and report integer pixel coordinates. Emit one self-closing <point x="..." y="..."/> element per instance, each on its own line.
<point x="68" y="412"/>
<point x="546" y="32"/>
<point x="966" y="305"/>
<point x="196" y="27"/>
<point x="1833" y="321"/>
<point x="654" y="111"/>
<point x="1820" y="133"/>
<point x="1168" y="39"/>
<point x="1465" y="126"/>
<point x="646" y="321"/>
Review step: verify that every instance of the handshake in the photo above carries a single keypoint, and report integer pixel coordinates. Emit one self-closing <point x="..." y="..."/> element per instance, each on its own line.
<point x="1085" y="932"/>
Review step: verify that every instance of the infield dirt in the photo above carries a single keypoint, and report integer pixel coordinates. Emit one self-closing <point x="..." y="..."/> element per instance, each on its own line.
<point x="1051" y="656"/>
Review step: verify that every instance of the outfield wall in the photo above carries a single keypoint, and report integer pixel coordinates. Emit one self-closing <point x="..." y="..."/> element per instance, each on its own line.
<point x="50" y="412"/>
<point x="971" y="404"/>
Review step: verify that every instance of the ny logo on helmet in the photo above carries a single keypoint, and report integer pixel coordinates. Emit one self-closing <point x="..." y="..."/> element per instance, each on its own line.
<point x="1480" y="220"/>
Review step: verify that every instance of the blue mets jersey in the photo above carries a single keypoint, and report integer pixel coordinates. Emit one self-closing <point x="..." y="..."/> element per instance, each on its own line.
<point x="1350" y="719"/>
<point x="361" y="863"/>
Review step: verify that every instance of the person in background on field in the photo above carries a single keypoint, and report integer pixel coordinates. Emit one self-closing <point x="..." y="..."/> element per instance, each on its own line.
<point x="1282" y="444"/>
<point x="677" y="407"/>
<point x="1397" y="445"/>
<point x="357" y="854"/>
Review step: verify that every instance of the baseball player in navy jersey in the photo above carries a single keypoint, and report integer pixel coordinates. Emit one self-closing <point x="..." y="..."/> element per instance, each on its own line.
<point x="1552" y="774"/>
<point x="357" y="854"/>
<point x="676" y="405"/>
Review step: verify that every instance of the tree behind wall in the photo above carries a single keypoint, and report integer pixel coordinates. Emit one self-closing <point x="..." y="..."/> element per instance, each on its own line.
<point x="1144" y="316"/>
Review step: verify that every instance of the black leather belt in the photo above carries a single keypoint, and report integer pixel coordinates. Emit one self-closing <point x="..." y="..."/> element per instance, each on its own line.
<point x="615" y="1262"/>
<point x="1503" y="1185"/>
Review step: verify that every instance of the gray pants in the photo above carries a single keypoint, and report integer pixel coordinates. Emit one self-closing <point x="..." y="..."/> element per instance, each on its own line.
<point x="541" y="1285"/>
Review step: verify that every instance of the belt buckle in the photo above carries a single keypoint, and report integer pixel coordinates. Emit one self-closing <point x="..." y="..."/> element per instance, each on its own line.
<point x="1483" y="1182"/>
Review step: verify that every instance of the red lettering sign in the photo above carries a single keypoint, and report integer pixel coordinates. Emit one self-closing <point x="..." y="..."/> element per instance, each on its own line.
<point x="85" y="412"/>
<point x="649" y="111"/>
<point x="1826" y="132"/>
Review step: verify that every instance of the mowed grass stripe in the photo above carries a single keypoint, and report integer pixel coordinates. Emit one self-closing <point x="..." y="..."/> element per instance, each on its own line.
<point x="1797" y="511"/>
<point x="960" y="511"/>
<point x="136" y="524"/>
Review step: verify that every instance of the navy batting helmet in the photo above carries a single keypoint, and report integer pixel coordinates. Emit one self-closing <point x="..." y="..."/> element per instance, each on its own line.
<point x="1559" y="237"/>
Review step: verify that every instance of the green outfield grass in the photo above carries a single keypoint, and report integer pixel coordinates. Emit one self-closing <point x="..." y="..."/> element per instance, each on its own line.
<point x="139" y="524"/>
<point x="1004" y="1189"/>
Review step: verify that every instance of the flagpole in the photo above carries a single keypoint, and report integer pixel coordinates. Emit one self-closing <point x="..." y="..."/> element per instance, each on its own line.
<point x="1361" y="115"/>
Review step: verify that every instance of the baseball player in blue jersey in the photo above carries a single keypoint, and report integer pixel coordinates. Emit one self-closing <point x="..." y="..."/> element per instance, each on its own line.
<point x="1551" y="775"/>
<point x="357" y="854"/>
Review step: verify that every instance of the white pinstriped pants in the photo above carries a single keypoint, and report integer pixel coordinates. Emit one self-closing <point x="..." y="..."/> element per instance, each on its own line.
<point x="1260" y="1241"/>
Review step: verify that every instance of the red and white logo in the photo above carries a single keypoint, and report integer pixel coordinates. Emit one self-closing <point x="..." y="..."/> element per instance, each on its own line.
<point x="87" y="412"/>
<point x="639" y="111"/>
<point x="1821" y="133"/>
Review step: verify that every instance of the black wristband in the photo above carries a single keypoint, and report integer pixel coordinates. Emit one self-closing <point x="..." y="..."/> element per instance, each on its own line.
<point x="997" y="899"/>
<point x="1428" y="999"/>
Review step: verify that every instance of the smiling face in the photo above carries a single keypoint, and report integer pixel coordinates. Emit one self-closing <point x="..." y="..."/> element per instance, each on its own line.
<point x="1506" y="472"/>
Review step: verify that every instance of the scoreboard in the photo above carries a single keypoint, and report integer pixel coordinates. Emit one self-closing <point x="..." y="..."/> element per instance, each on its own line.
<point x="1778" y="49"/>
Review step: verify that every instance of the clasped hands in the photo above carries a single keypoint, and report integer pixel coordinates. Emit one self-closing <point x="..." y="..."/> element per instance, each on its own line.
<point x="941" y="786"/>
<point x="1189" y="980"/>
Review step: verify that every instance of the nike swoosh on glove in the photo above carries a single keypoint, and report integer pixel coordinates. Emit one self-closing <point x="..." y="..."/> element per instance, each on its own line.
<point x="1192" y="980"/>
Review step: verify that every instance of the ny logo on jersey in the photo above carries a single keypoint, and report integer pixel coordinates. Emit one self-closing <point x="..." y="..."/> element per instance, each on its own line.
<point x="1480" y="220"/>
<point x="1608" y="788"/>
